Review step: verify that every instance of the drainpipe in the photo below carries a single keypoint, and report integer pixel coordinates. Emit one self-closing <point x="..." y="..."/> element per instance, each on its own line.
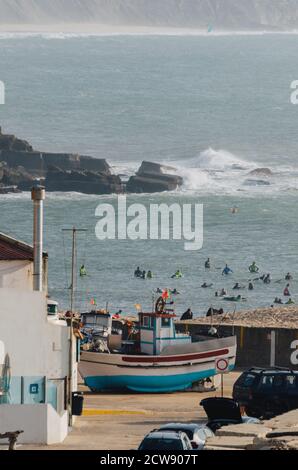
<point x="38" y="196"/>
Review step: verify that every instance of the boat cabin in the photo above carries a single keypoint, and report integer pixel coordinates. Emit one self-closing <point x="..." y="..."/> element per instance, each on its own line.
<point x="52" y="307"/>
<point x="157" y="331"/>
<point x="100" y="322"/>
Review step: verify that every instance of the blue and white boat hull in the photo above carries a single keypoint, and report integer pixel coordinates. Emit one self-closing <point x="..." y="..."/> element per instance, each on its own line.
<point x="156" y="374"/>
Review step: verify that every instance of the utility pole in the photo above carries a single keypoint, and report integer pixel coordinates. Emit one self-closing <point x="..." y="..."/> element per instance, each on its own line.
<point x="74" y="231"/>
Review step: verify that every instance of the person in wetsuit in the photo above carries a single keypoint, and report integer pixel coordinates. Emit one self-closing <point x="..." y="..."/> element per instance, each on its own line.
<point x="253" y="268"/>
<point x="207" y="264"/>
<point x="138" y="272"/>
<point x="227" y="270"/>
<point x="287" y="291"/>
<point x="267" y="279"/>
<point x="83" y="271"/>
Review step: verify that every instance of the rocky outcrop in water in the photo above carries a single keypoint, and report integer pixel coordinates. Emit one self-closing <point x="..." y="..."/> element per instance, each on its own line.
<point x="21" y="165"/>
<point x="151" y="178"/>
<point x="261" y="172"/>
<point x="14" y="179"/>
<point x="84" y="181"/>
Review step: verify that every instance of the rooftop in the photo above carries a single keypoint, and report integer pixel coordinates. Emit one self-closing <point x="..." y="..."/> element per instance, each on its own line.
<point x="270" y="317"/>
<point x="12" y="249"/>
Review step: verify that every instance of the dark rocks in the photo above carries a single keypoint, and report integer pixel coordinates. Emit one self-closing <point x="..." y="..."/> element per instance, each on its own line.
<point x="38" y="162"/>
<point x="261" y="172"/>
<point x="87" y="182"/>
<point x="22" y="165"/>
<point x="11" y="142"/>
<point x="255" y="182"/>
<point x="9" y="189"/>
<point x="15" y="177"/>
<point x="151" y="178"/>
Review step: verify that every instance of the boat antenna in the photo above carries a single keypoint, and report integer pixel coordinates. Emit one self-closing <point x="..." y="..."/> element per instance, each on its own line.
<point x="234" y="313"/>
<point x="74" y="231"/>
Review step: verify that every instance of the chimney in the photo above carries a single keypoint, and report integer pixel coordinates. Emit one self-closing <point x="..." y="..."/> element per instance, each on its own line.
<point x="38" y="196"/>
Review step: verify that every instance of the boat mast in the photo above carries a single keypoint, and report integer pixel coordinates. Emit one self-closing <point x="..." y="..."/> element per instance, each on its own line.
<point x="74" y="231"/>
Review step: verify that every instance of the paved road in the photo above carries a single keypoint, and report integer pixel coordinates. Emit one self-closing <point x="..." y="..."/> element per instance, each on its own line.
<point x="120" y="421"/>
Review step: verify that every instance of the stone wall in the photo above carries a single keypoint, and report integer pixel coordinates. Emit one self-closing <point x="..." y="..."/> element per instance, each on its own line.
<point x="260" y="347"/>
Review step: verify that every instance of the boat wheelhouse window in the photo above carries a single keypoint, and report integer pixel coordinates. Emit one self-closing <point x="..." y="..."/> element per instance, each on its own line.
<point x="165" y="322"/>
<point x="102" y="321"/>
<point x="146" y="321"/>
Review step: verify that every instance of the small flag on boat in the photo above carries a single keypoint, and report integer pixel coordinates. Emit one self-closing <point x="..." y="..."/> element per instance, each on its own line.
<point x="93" y="302"/>
<point x="165" y="294"/>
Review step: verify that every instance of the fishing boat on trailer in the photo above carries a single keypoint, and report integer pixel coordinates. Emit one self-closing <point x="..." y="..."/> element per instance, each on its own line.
<point x="161" y="360"/>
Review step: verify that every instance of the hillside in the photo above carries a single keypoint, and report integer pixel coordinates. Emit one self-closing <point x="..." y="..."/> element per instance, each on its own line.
<point x="221" y="14"/>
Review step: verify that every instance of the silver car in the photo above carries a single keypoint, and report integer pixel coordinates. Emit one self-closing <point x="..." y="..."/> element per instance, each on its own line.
<point x="166" y="441"/>
<point x="197" y="434"/>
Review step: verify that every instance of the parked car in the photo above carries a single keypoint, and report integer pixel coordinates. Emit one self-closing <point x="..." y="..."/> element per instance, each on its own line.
<point x="197" y="434"/>
<point x="223" y="412"/>
<point x="267" y="392"/>
<point x="166" y="441"/>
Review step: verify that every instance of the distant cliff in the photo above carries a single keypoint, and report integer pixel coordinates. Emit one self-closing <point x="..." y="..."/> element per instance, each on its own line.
<point x="221" y="14"/>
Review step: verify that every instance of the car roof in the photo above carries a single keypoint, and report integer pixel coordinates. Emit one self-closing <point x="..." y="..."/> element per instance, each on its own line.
<point x="164" y="435"/>
<point x="181" y="426"/>
<point x="270" y="370"/>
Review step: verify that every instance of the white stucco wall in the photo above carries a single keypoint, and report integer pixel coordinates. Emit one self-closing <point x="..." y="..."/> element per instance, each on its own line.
<point x="16" y="274"/>
<point x="40" y="423"/>
<point x="36" y="346"/>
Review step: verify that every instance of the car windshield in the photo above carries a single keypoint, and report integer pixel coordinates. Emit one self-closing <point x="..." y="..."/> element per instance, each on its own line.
<point x="161" y="444"/>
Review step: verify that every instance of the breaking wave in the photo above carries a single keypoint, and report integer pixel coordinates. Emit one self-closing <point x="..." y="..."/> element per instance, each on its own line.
<point x="220" y="172"/>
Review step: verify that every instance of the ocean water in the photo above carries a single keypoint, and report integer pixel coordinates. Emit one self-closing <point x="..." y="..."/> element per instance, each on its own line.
<point x="215" y="107"/>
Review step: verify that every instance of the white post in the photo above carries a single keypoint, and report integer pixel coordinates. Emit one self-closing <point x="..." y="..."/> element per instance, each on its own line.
<point x="38" y="196"/>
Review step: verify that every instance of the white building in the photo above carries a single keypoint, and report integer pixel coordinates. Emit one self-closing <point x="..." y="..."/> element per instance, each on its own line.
<point x="34" y="352"/>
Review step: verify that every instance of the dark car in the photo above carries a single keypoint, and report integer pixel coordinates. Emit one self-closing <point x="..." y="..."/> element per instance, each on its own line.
<point x="224" y="412"/>
<point x="166" y="441"/>
<point x="197" y="434"/>
<point x="267" y="392"/>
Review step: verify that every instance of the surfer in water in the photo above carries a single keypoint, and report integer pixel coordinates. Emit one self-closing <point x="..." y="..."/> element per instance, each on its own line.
<point x="206" y="286"/>
<point x="289" y="277"/>
<point x="267" y="279"/>
<point x="83" y="271"/>
<point x="177" y="275"/>
<point x="237" y="286"/>
<point x="253" y="268"/>
<point x="138" y="272"/>
<point x="174" y="292"/>
<point x="227" y="270"/>
<point x="207" y="264"/>
<point x="287" y="291"/>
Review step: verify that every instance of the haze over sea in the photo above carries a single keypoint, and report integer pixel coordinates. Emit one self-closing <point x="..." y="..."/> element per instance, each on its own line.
<point x="216" y="107"/>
